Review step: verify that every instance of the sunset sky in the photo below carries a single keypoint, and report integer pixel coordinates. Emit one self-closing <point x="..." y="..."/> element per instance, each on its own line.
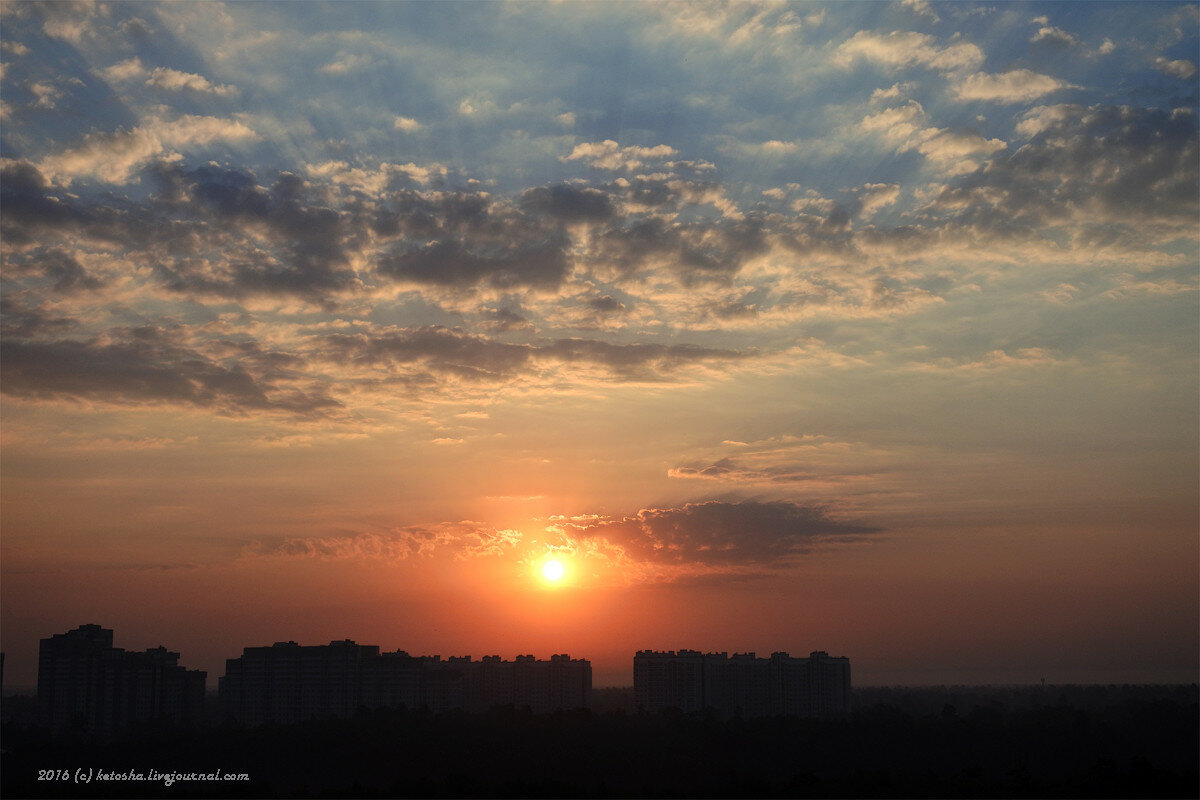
<point x="862" y="327"/>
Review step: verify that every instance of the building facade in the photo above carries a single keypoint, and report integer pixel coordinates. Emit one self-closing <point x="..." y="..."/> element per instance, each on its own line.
<point x="287" y="682"/>
<point x="87" y="686"/>
<point x="742" y="684"/>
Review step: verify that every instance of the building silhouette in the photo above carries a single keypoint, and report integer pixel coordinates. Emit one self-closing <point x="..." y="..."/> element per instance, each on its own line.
<point x="86" y="685"/>
<point x="742" y="684"/>
<point x="288" y="682"/>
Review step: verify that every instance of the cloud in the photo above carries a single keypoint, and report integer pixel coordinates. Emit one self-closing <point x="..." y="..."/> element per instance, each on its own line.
<point x="1050" y="35"/>
<point x="345" y="63"/>
<point x="426" y="352"/>
<point x="18" y="321"/>
<point x="697" y="253"/>
<point x="46" y="95"/>
<point x="1129" y="284"/>
<point x="379" y="180"/>
<point x="504" y="320"/>
<point x="770" y="149"/>
<point x="311" y="258"/>
<point x="732" y="24"/>
<point x="950" y="145"/>
<point x="126" y="70"/>
<point x="874" y="196"/>
<point x="898" y="124"/>
<point x="893" y="92"/>
<point x="146" y="366"/>
<point x="16" y="48"/>
<point x="208" y="231"/>
<point x="61" y="267"/>
<point x="1181" y="68"/>
<point x="464" y="539"/>
<point x="808" y="462"/>
<point x="921" y="7"/>
<point x="406" y="124"/>
<point x="1016" y="86"/>
<point x="1113" y="165"/>
<point x="30" y="209"/>
<point x="70" y="21"/>
<point x="720" y="533"/>
<point x="569" y="203"/>
<point x="114" y="157"/>
<point x="906" y="49"/>
<point x="176" y="81"/>
<point x="462" y="263"/>
<point x="994" y="360"/>
<point x="955" y="150"/>
<point x="609" y="155"/>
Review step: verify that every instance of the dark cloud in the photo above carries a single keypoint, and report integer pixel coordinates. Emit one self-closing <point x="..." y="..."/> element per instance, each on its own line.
<point x="27" y="207"/>
<point x="402" y="212"/>
<point x="629" y="246"/>
<point x="59" y="266"/>
<point x="32" y="212"/>
<point x="722" y="533"/>
<point x="504" y="320"/>
<point x="312" y="238"/>
<point x="569" y="203"/>
<point x="200" y="230"/>
<point x="431" y="347"/>
<point x="221" y="231"/>
<point x="20" y="321"/>
<point x="464" y="264"/>
<point x="1098" y="164"/>
<point x="606" y="305"/>
<point x="449" y="351"/>
<point x="143" y="365"/>
<point x="463" y="240"/>
<point x="697" y="252"/>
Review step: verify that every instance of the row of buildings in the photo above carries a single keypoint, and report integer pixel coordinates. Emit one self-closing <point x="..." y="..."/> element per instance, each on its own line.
<point x="287" y="682"/>
<point x="87" y="685"/>
<point x="742" y="684"/>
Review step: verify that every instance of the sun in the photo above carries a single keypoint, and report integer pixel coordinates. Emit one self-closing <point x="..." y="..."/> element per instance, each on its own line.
<point x="553" y="571"/>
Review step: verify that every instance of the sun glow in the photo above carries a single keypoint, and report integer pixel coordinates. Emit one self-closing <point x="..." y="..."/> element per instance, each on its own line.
<point x="553" y="571"/>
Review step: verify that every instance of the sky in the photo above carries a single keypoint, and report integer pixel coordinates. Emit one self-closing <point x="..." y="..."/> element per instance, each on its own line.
<point x="860" y="327"/>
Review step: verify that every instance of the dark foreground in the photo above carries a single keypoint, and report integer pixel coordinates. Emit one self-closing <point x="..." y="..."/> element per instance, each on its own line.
<point x="1031" y="742"/>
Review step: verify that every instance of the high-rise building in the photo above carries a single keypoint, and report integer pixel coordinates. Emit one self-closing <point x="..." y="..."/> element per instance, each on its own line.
<point x="287" y="682"/>
<point x="86" y="685"/>
<point x="742" y="684"/>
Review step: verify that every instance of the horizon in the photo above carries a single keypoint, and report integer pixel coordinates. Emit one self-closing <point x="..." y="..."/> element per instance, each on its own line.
<point x="211" y="687"/>
<point x="535" y="327"/>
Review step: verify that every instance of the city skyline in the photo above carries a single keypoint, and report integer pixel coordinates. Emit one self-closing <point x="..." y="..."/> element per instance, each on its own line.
<point x="529" y="327"/>
<point x="86" y="686"/>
